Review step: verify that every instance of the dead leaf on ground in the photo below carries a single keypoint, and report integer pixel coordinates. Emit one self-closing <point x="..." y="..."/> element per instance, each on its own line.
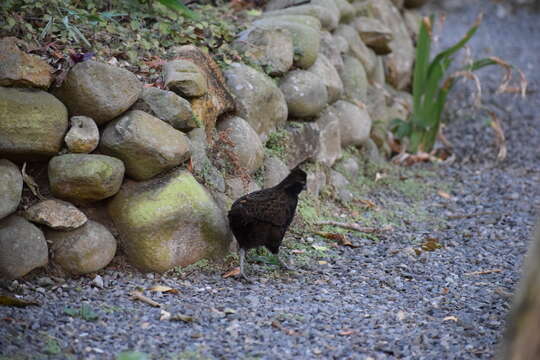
<point x="500" y="137"/>
<point x="347" y="332"/>
<point x="137" y="295"/>
<point x="340" y="238"/>
<point x="164" y="289"/>
<point x="431" y="244"/>
<point x="451" y="318"/>
<point x="367" y="203"/>
<point x="6" y="300"/>
<point x="279" y="326"/>
<point x="444" y="194"/>
<point x="233" y="272"/>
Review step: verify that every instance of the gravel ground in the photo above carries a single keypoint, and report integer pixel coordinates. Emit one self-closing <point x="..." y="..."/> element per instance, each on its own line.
<point x="383" y="300"/>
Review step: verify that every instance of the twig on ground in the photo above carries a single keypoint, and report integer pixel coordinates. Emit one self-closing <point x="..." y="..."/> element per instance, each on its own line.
<point x="137" y="295"/>
<point x="483" y="272"/>
<point x="468" y="216"/>
<point x="355" y="227"/>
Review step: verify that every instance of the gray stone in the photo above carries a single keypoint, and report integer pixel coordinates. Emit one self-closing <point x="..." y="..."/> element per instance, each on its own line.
<point x="324" y="70"/>
<point x="83" y="135"/>
<point x="247" y="146"/>
<point x="11" y="185"/>
<point x="306" y="20"/>
<point x="237" y="187"/>
<point x="170" y="221"/>
<point x="357" y="48"/>
<point x="355" y="123"/>
<point x="330" y="49"/>
<point x="23" y="247"/>
<point x="329" y="19"/>
<point x="355" y="82"/>
<point x="169" y="107"/>
<point x="275" y="171"/>
<point x="184" y="78"/>
<point x="340" y="185"/>
<point x="32" y="124"/>
<point x="56" y="214"/>
<point x="316" y="181"/>
<point x="412" y="19"/>
<point x="258" y="99"/>
<point x="374" y="34"/>
<point x="305" y="93"/>
<point x="85" y="177"/>
<point x="350" y="167"/>
<point x="99" y="91"/>
<point x="333" y="13"/>
<point x="306" y="39"/>
<point x="272" y="49"/>
<point x="302" y="143"/>
<point x="330" y="137"/>
<point x="87" y="249"/>
<point x="202" y="166"/>
<point x="20" y="69"/>
<point x="371" y="152"/>
<point x="346" y="10"/>
<point x="146" y="145"/>
<point x="378" y="75"/>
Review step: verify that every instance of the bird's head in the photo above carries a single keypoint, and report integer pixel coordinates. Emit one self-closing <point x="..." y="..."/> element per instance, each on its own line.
<point x="296" y="181"/>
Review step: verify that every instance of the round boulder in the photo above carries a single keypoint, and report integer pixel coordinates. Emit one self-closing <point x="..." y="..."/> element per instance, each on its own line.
<point x="304" y="92"/>
<point x="354" y="123"/>
<point x="23" y="247"/>
<point x="83" y="136"/>
<point x="145" y="144"/>
<point x="247" y="145"/>
<point x="32" y="124"/>
<point x="84" y="250"/>
<point x="85" y="177"/>
<point x="167" y="222"/>
<point x="99" y="91"/>
<point x="11" y="185"/>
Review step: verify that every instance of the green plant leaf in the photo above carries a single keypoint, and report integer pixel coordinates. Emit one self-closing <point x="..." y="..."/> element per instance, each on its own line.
<point x="423" y="50"/>
<point x="132" y="355"/>
<point x="177" y="5"/>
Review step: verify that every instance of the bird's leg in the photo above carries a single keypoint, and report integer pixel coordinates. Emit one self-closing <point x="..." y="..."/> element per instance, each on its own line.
<point x="242" y="260"/>
<point x="283" y="263"/>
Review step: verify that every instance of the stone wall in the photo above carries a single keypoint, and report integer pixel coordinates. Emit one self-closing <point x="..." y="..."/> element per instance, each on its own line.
<point x="110" y="160"/>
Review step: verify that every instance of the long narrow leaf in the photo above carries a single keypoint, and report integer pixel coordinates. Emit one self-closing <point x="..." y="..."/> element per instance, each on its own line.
<point x="177" y="5"/>
<point x="423" y="50"/>
<point x="458" y="46"/>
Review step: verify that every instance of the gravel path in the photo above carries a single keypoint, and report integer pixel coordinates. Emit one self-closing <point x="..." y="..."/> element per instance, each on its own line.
<point x="386" y="299"/>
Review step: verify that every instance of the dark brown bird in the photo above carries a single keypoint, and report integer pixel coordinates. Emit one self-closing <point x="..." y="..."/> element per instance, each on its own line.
<point x="262" y="217"/>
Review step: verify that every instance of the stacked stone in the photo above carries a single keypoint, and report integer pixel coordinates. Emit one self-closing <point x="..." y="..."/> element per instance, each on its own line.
<point x="122" y="160"/>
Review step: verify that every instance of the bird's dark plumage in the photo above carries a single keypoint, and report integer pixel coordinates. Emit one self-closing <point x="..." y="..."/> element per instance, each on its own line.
<point x="262" y="217"/>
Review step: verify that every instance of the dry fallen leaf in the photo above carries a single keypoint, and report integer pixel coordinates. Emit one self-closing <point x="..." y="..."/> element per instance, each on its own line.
<point x="6" y="300"/>
<point x="451" y="318"/>
<point x="164" y="289"/>
<point x="322" y="262"/>
<point x="431" y="244"/>
<point x="233" y="272"/>
<point x="347" y="332"/>
<point x="444" y="194"/>
<point x="338" y="237"/>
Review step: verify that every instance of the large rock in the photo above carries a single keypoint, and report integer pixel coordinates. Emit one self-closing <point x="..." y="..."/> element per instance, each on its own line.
<point x="56" y="214"/>
<point x="330" y="137"/>
<point x="238" y="187"/>
<point x="271" y="49"/>
<point x="275" y="171"/>
<point x="83" y="135"/>
<point x="329" y="19"/>
<point x="20" y="69"/>
<point x="305" y="93"/>
<point x="246" y="144"/>
<point x="23" y="247"/>
<point x="184" y="78"/>
<point x="349" y="168"/>
<point x="84" y="177"/>
<point x="306" y="39"/>
<point x="355" y="82"/>
<point x="346" y="10"/>
<point x="331" y="50"/>
<point x="316" y="181"/>
<point x="217" y="100"/>
<point x="400" y="61"/>
<point x="374" y="34"/>
<point x="302" y="143"/>
<point x="98" y="90"/>
<point x="324" y="69"/>
<point x="146" y="145"/>
<point x="203" y="168"/>
<point x="11" y="185"/>
<point x="307" y="20"/>
<point x="167" y="222"/>
<point x="169" y="107"/>
<point x="341" y="187"/>
<point x="357" y="48"/>
<point x="87" y="249"/>
<point x="32" y="124"/>
<point x="378" y="75"/>
<point x="258" y="100"/>
<point x="355" y="123"/>
<point x="412" y="19"/>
